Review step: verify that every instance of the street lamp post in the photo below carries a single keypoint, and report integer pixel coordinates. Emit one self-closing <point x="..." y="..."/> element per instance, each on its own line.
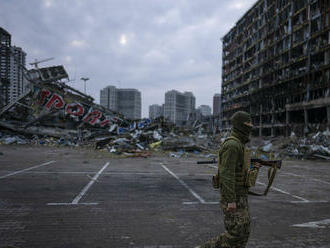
<point x="84" y="79"/>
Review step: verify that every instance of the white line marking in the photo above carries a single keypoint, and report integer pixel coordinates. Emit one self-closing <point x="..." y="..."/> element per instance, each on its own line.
<point x="286" y="193"/>
<point x="184" y="184"/>
<point x="85" y="189"/>
<point x="313" y="179"/>
<point x="303" y="200"/>
<point x="315" y="224"/>
<point x="195" y="203"/>
<point x="68" y="204"/>
<point x="27" y="169"/>
<point x="300" y="202"/>
<point x="114" y="173"/>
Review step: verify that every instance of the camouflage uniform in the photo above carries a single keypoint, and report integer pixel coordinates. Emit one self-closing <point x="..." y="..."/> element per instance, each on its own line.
<point x="232" y="186"/>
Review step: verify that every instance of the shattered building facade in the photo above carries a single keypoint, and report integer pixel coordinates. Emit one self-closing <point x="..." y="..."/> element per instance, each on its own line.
<point x="276" y="67"/>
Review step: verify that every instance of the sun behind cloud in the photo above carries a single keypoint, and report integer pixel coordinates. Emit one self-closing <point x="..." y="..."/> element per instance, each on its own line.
<point x="123" y="40"/>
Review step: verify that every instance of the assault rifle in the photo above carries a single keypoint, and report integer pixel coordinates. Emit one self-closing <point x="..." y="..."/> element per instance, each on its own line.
<point x="273" y="164"/>
<point x="268" y="163"/>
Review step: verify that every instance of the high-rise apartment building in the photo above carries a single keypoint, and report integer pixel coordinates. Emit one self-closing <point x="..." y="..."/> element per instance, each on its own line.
<point x="5" y="44"/>
<point x="12" y="81"/>
<point x="205" y="110"/>
<point x="155" y="111"/>
<point x="125" y="101"/>
<point x="18" y="83"/>
<point x="276" y="66"/>
<point x="108" y="98"/>
<point x="178" y="106"/>
<point x="129" y="103"/>
<point x="216" y="104"/>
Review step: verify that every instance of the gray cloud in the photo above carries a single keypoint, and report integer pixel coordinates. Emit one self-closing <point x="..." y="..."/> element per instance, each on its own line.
<point x="151" y="45"/>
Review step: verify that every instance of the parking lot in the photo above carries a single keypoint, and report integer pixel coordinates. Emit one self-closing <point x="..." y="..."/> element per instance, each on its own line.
<point x="63" y="197"/>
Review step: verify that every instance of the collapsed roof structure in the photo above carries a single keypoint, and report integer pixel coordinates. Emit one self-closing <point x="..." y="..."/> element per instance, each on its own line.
<point x="51" y="107"/>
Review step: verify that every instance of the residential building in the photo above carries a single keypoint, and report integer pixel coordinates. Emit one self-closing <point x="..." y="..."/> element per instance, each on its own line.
<point x="18" y="83"/>
<point x="5" y="44"/>
<point x="108" y="98"/>
<point x="190" y="102"/>
<point x="205" y="110"/>
<point x="129" y="103"/>
<point x="216" y="104"/>
<point x="155" y="111"/>
<point x="125" y="101"/>
<point x="275" y="65"/>
<point x="178" y="106"/>
<point x="12" y="60"/>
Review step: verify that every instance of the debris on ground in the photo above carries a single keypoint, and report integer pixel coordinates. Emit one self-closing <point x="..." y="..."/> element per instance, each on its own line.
<point x="54" y="114"/>
<point x="312" y="146"/>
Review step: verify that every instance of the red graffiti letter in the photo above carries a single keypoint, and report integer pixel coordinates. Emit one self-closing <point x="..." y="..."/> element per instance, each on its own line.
<point x="74" y="109"/>
<point x="56" y="101"/>
<point x="104" y="123"/>
<point x="43" y="95"/>
<point x="92" y="117"/>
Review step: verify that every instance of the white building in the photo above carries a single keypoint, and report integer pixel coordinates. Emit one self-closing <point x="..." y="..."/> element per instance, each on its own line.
<point x="205" y="110"/>
<point x="178" y="106"/>
<point x="125" y="101"/>
<point x="155" y="111"/>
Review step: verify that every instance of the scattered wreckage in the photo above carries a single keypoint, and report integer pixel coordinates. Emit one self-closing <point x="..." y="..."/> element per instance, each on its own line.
<point x="53" y="113"/>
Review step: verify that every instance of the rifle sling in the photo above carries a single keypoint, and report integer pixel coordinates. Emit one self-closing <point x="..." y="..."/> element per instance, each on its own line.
<point x="271" y="175"/>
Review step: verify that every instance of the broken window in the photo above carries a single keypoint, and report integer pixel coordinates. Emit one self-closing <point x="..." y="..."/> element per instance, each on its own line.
<point x="298" y="4"/>
<point x="315" y="10"/>
<point x="317" y="115"/>
<point x="316" y="25"/>
<point x="297" y="116"/>
<point x="317" y="60"/>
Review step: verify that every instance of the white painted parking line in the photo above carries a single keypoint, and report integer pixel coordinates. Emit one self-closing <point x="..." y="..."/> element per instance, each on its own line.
<point x="312" y="179"/>
<point x="315" y="224"/>
<point x="27" y="169"/>
<point x="82" y="193"/>
<point x="69" y="203"/>
<point x="286" y="193"/>
<point x="115" y="173"/>
<point x="310" y="202"/>
<point x="302" y="200"/>
<point x="205" y="203"/>
<point x="86" y="188"/>
<point x="199" y="198"/>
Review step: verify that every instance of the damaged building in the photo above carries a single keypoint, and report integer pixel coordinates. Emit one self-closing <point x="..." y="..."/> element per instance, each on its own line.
<point x="276" y="67"/>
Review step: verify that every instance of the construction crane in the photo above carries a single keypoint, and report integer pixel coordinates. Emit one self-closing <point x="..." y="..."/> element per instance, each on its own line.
<point x="36" y="62"/>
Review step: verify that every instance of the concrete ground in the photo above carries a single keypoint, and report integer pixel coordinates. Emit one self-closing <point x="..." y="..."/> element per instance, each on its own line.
<point x="68" y="198"/>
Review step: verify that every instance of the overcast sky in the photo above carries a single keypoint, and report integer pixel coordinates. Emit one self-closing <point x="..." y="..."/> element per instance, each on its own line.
<point x="151" y="45"/>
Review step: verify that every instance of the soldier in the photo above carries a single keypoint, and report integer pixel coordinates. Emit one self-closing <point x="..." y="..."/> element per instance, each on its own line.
<point x="233" y="164"/>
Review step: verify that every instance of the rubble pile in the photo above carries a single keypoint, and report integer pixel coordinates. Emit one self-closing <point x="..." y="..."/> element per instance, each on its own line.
<point x="313" y="146"/>
<point x="52" y="113"/>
